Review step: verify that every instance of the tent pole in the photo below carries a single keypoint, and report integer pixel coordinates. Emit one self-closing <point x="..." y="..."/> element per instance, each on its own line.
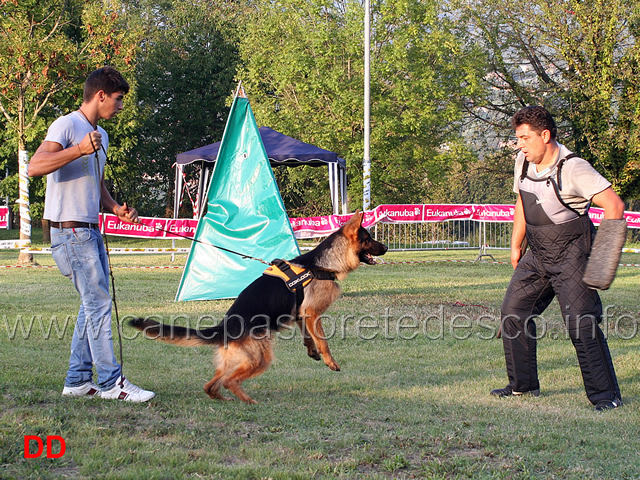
<point x="332" y="188"/>
<point x="343" y="189"/>
<point x="201" y="187"/>
<point x="208" y="171"/>
<point x="177" y="200"/>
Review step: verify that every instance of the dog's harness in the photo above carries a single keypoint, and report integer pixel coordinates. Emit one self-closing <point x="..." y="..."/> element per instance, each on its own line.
<point x="296" y="278"/>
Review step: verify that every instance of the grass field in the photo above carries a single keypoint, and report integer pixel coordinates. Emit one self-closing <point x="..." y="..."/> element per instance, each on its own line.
<point x="416" y="345"/>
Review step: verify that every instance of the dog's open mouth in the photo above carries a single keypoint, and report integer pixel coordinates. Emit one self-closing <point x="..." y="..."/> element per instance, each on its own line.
<point x="367" y="258"/>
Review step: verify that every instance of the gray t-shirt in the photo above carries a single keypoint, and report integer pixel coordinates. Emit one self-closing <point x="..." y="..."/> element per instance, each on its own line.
<point x="580" y="181"/>
<point x="73" y="191"/>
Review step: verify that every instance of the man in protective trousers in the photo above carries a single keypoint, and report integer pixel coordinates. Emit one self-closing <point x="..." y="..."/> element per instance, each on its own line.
<point x="565" y="258"/>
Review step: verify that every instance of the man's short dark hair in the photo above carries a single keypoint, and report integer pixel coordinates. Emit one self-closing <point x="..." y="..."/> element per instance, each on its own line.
<point x="107" y="79"/>
<point x="538" y="119"/>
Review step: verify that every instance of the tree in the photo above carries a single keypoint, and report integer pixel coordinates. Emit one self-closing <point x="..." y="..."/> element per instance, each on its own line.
<point x="186" y="74"/>
<point x="303" y="72"/>
<point x="47" y="52"/>
<point x="581" y="60"/>
<point x="36" y="64"/>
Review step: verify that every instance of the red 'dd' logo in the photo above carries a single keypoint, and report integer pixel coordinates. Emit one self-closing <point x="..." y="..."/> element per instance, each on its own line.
<point x="28" y="439"/>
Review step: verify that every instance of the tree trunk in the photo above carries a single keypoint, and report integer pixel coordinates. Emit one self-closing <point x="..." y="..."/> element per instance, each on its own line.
<point x="23" y="160"/>
<point x="25" y="217"/>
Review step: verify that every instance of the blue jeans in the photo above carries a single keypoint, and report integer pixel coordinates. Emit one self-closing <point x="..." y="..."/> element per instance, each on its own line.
<point x="81" y="256"/>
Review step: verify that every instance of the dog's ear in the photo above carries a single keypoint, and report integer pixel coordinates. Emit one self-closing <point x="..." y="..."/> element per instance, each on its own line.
<point x="353" y="225"/>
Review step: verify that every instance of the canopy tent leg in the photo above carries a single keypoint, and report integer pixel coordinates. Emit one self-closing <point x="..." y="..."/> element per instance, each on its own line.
<point x="333" y="190"/>
<point x="207" y="171"/>
<point x="177" y="199"/>
<point x="203" y="187"/>
<point x="342" y="172"/>
<point x="338" y="188"/>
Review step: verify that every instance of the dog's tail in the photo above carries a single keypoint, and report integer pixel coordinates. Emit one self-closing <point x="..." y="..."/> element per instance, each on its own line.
<point x="176" y="335"/>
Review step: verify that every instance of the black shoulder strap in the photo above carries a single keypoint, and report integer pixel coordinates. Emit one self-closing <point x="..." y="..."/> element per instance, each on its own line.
<point x="525" y="168"/>
<point x="559" y="168"/>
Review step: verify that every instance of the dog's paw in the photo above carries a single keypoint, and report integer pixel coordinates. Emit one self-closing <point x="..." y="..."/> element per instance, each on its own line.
<point x="334" y="366"/>
<point x="315" y="355"/>
<point x="220" y="397"/>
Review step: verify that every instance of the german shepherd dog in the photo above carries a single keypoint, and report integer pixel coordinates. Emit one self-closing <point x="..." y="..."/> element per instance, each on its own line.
<point x="244" y="336"/>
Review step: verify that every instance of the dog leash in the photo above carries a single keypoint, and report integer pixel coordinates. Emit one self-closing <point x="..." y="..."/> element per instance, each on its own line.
<point x="244" y="256"/>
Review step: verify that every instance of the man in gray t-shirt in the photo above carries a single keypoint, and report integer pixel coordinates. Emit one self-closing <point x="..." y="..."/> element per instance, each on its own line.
<point x="555" y="188"/>
<point x="580" y="181"/>
<point x="73" y="156"/>
<point x="82" y="203"/>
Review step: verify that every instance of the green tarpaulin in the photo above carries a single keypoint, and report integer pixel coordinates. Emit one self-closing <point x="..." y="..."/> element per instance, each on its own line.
<point x="245" y="213"/>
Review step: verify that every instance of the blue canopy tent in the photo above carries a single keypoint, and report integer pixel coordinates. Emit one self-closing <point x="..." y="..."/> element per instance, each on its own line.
<point x="281" y="150"/>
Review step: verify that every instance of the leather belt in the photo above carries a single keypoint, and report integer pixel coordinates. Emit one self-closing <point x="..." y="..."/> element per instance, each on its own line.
<point x="74" y="225"/>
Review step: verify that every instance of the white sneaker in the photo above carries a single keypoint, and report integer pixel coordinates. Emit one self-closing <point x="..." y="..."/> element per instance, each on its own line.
<point x="127" y="391"/>
<point x="88" y="389"/>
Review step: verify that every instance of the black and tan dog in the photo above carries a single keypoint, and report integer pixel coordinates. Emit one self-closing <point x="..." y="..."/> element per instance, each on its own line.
<point x="273" y="302"/>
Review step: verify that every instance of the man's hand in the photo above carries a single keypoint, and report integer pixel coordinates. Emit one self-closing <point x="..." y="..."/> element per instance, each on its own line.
<point x="518" y="251"/>
<point x="91" y="143"/>
<point x="516" y="255"/>
<point x="126" y="214"/>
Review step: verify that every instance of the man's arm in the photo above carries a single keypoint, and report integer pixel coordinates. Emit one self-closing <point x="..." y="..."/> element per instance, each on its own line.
<point x="50" y="156"/>
<point x="611" y="202"/>
<point x="519" y="233"/>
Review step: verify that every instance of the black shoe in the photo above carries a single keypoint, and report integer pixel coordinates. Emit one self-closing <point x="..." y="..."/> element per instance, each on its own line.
<point x="508" y="391"/>
<point x="603" y="405"/>
<point x="502" y="392"/>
